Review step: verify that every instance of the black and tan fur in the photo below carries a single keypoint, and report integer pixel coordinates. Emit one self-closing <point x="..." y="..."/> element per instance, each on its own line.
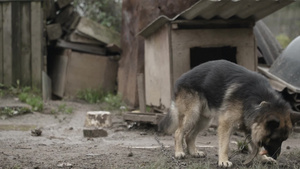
<point x="238" y="98"/>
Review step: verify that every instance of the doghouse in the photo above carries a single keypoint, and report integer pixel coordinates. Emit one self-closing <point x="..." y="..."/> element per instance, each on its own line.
<point x="209" y="30"/>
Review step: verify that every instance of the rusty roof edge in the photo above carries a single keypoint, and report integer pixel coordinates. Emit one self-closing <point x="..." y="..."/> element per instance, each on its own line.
<point x="188" y="14"/>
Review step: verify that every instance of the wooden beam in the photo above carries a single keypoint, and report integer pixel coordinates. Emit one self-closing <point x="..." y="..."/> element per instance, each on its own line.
<point x="7" y="46"/>
<point x="99" y="32"/>
<point x="36" y="44"/>
<point x="82" y="47"/>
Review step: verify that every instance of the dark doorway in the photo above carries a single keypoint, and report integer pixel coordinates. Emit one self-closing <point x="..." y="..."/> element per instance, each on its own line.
<point x="200" y="55"/>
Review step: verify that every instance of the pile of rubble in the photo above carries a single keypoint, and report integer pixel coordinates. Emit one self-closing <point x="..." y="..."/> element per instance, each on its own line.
<point x="81" y="53"/>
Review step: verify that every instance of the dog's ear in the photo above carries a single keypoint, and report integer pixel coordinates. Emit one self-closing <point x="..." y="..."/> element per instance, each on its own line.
<point x="272" y="122"/>
<point x="295" y="117"/>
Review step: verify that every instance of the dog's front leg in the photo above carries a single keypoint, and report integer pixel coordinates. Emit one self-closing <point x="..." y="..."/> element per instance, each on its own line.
<point x="224" y="132"/>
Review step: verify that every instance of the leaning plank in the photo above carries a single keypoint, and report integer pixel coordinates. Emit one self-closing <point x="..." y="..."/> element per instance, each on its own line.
<point x="7" y="46"/>
<point x="82" y="47"/>
<point x="1" y="44"/>
<point x="99" y="32"/>
<point x="26" y="44"/>
<point x="36" y="44"/>
<point x="59" y="72"/>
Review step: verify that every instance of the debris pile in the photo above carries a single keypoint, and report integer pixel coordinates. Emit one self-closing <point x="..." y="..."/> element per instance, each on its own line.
<point x="81" y="53"/>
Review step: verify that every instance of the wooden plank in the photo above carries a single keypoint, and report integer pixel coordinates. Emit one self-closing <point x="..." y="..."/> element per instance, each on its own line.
<point x="99" y="32"/>
<point x="47" y="92"/>
<point x="77" y="38"/>
<point x="7" y="46"/>
<point x="1" y="44"/>
<point x="141" y="92"/>
<point x="82" y="47"/>
<point x="16" y="42"/>
<point x="153" y="118"/>
<point x="26" y="45"/>
<point x="54" y="31"/>
<point x="36" y="44"/>
<point x="58" y="75"/>
<point x="63" y="3"/>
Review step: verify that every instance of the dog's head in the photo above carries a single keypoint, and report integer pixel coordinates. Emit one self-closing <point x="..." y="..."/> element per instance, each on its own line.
<point x="271" y="128"/>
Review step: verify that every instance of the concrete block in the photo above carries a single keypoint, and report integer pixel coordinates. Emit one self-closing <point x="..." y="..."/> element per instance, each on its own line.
<point x="94" y="132"/>
<point x="98" y="119"/>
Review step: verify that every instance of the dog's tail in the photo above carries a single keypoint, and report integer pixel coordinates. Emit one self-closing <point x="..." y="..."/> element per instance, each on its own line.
<point x="170" y="122"/>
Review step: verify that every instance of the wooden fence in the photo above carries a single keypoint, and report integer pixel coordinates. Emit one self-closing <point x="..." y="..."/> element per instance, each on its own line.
<point x="21" y="40"/>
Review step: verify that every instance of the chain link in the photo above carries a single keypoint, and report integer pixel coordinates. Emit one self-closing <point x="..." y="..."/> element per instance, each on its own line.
<point x="168" y="155"/>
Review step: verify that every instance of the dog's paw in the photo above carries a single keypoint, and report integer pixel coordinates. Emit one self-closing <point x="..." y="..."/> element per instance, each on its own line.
<point x="199" y="154"/>
<point x="269" y="160"/>
<point x="179" y="155"/>
<point x="225" y="164"/>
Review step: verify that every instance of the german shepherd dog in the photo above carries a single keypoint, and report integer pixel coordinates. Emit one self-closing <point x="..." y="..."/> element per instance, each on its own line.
<point x="239" y="99"/>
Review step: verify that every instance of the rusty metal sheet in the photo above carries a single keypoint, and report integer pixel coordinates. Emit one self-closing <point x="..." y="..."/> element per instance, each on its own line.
<point x="222" y="9"/>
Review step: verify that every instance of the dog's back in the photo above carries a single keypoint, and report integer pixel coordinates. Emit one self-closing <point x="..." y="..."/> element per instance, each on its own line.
<point x="211" y="81"/>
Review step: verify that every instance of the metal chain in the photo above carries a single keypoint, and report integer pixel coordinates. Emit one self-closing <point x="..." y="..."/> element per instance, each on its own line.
<point x="168" y="155"/>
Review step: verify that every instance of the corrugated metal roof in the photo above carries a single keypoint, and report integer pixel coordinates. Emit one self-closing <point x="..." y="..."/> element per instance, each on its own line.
<point x="222" y="9"/>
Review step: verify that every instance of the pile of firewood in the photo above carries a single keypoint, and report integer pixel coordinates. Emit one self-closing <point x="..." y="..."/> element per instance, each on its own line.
<point x="67" y="29"/>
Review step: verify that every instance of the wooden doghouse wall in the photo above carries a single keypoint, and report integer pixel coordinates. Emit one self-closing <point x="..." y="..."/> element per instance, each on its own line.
<point x="184" y="39"/>
<point x="158" y="68"/>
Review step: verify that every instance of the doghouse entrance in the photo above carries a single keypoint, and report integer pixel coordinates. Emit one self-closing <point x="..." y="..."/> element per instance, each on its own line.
<point x="200" y="55"/>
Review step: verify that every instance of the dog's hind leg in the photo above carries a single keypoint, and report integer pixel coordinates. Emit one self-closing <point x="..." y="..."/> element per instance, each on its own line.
<point x="188" y="115"/>
<point x="202" y="123"/>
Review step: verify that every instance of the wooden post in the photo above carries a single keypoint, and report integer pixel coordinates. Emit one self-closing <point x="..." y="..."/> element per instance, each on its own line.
<point x="7" y="50"/>
<point x="141" y="92"/>
<point x="36" y="44"/>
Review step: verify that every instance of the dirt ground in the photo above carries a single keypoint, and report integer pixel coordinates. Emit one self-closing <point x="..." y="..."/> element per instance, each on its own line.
<point x="62" y="144"/>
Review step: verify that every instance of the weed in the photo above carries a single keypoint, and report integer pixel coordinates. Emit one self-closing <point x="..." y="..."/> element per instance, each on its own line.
<point x="91" y="95"/>
<point x="31" y="97"/>
<point x="283" y="40"/>
<point x="113" y="101"/>
<point x="13" y="111"/>
<point x="242" y="146"/>
<point x="97" y="95"/>
<point x="64" y="109"/>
